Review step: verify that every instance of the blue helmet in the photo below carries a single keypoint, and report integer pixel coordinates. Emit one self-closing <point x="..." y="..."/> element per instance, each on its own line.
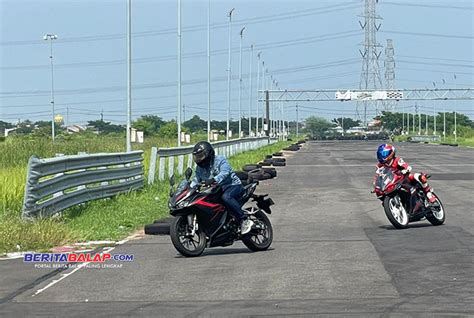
<point x="385" y="153"/>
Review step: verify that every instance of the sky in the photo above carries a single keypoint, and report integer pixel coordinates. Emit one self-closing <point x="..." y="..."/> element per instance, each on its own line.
<point x="304" y="44"/>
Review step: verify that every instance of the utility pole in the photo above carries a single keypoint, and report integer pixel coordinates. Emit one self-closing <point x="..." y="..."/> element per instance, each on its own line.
<point x="209" y="71"/>
<point x="266" y="126"/>
<point x="129" y="77"/>
<point x="240" y="82"/>
<point x="229" y="71"/>
<point x="67" y="118"/>
<point x="263" y="92"/>
<point x="434" y="114"/>
<point x="178" y="120"/>
<point x="51" y="37"/>
<point x="426" y="126"/>
<point x="418" y="113"/>
<point x="250" y="91"/>
<point x="258" y="95"/>
<point x="184" y="113"/>
<point x="297" y="121"/>
<point x="455" y="122"/>
<point x="444" y="125"/>
<point x="403" y="120"/>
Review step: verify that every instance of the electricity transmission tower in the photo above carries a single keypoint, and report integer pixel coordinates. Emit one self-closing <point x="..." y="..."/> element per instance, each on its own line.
<point x="370" y="75"/>
<point x="389" y="72"/>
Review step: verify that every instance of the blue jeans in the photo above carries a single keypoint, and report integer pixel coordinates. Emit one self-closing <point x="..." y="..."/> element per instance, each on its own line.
<point x="230" y="197"/>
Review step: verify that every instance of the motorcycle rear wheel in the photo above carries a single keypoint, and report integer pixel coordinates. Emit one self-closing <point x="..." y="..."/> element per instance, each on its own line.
<point x="185" y="245"/>
<point x="437" y="215"/>
<point x="395" y="211"/>
<point x="259" y="239"/>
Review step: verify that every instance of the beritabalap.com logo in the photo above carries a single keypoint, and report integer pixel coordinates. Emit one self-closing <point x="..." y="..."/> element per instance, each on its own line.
<point x="49" y="260"/>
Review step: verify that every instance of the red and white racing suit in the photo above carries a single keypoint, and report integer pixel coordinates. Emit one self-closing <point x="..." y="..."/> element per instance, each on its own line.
<point x="405" y="168"/>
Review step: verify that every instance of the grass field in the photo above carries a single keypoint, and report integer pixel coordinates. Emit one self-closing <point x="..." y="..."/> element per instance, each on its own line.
<point x="109" y="219"/>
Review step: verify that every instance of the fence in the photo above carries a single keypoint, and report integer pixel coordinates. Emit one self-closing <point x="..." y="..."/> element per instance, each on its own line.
<point x="55" y="184"/>
<point x="424" y="138"/>
<point x="225" y="148"/>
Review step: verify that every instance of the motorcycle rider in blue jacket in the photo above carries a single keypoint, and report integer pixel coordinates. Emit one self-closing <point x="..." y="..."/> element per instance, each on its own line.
<point x="212" y="169"/>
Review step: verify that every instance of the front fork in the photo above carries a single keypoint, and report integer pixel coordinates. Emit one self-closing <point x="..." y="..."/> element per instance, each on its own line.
<point x="193" y="225"/>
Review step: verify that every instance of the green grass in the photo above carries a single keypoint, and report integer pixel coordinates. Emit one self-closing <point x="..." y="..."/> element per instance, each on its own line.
<point x="461" y="141"/>
<point x="109" y="219"/>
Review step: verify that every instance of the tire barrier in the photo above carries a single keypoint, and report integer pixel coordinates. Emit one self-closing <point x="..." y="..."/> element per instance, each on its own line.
<point x="158" y="228"/>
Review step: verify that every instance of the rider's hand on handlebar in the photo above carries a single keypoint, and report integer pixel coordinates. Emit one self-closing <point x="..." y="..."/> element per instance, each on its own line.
<point x="209" y="182"/>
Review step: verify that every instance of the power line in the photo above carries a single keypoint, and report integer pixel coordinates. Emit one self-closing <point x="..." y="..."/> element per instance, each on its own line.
<point x="200" y="54"/>
<point x="449" y="36"/>
<point x="255" y="20"/>
<point x="173" y="83"/>
<point x="432" y="6"/>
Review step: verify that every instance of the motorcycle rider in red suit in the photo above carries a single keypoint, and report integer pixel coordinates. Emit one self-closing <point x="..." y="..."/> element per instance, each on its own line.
<point x="386" y="157"/>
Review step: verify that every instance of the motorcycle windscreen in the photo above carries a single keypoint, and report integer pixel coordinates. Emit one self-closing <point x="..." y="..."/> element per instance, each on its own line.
<point x="181" y="190"/>
<point x="384" y="177"/>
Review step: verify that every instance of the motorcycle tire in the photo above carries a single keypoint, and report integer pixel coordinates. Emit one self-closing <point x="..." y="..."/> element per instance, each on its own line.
<point x="176" y="229"/>
<point x="251" y="239"/>
<point x="438" y="217"/>
<point x="399" y="220"/>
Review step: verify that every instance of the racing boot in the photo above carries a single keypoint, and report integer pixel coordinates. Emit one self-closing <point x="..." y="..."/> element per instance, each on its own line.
<point x="429" y="195"/>
<point x="246" y="226"/>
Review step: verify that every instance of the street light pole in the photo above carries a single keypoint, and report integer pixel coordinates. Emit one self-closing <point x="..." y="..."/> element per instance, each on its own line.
<point x="51" y="37"/>
<point x="258" y="95"/>
<point x="250" y="91"/>
<point x="129" y="77"/>
<point x="209" y="71"/>
<point x="297" y="121"/>
<point x="455" y="123"/>
<point x="240" y="81"/>
<point x="179" y="74"/>
<point x="263" y="94"/>
<point x="229" y="72"/>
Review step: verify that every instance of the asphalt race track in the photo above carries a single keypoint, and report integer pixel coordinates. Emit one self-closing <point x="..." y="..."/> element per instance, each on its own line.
<point x="334" y="253"/>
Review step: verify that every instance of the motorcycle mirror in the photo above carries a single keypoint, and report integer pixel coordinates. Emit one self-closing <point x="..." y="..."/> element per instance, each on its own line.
<point x="172" y="181"/>
<point x="188" y="173"/>
<point x="171" y="192"/>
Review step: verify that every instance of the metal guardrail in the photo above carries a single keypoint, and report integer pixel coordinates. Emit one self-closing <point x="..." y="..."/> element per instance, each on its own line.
<point x="225" y="148"/>
<point x="55" y="184"/>
<point x="424" y="138"/>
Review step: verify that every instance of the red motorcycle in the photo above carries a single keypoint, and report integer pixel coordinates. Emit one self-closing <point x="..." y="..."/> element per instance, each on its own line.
<point x="403" y="201"/>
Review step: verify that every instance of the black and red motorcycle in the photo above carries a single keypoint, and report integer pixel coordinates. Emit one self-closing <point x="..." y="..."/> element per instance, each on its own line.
<point x="201" y="220"/>
<point x="403" y="201"/>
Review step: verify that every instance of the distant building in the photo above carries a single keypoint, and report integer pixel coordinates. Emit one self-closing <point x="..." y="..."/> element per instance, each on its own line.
<point x="73" y="129"/>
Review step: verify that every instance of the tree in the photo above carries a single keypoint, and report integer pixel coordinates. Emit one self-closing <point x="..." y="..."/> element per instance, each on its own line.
<point x="170" y="130"/>
<point x="195" y="124"/>
<point x="5" y="125"/>
<point x="105" y="127"/>
<point x="149" y="124"/>
<point x="317" y="126"/>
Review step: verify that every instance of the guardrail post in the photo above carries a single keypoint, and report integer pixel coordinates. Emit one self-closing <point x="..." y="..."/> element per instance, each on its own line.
<point x="190" y="160"/>
<point x="170" y="166"/>
<point x="152" y="168"/>
<point x="180" y="164"/>
<point x="161" y="174"/>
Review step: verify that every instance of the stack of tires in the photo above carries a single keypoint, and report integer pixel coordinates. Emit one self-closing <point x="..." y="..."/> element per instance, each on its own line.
<point x="295" y="146"/>
<point x="255" y="172"/>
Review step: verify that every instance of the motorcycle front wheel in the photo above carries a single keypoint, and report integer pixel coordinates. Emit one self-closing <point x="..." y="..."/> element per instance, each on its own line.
<point x="185" y="244"/>
<point x="395" y="211"/>
<point x="437" y="215"/>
